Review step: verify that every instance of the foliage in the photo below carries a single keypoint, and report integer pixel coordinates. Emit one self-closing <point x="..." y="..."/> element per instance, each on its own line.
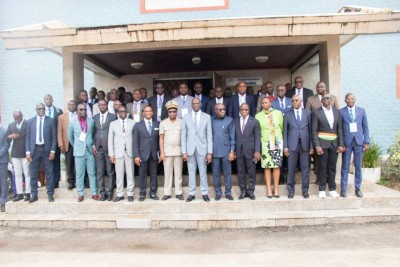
<point x="391" y="168"/>
<point x="371" y="156"/>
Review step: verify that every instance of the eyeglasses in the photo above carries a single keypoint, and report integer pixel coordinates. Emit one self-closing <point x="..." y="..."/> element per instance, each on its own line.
<point x="117" y="104"/>
<point x="221" y="109"/>
<point x="82" y="109"/>
<point x="40" y="108"/>
<point x="325" y="98"/>
<point x="171" y="111"/>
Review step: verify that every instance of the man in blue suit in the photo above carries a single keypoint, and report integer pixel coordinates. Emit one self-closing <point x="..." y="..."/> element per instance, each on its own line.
<point x="236" y="100"/>
<point x="40" y="146"/>
<point x="198" y="93"/>
<point x="356" y="141"/>
<point x="297" y="145"/>
<point x="281" y="102"/>
<point x="4" y="145"/>
<point x="80" y="136"/>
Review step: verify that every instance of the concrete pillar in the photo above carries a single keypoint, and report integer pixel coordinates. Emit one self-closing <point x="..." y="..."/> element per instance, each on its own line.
<point x="73" y="75"/>
<point x="329" y="66"/>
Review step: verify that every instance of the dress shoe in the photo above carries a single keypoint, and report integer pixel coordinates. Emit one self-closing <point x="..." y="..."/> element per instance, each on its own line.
<point x="359" y="193"/>
<point x="190" y="198"/>
<point x="57" y="185"/>
<point x="51" y="198"/>
<point x="109" y="197"/>
<point x="96" y="197"/>
<point x="33" y="199"/>
<point x="180" y="197"/>
<point x="290" y="195"/>
<point x="242" y="195"/>
<point x="116" y="199"/>
<point x="81" y="198"/>
<point x="206" y="198"/>
<point x="130" y="198"/>
<point x="70" y="186"/>
<point x="3" y="208"/>
<point x="252" y="196"/>
<point x="103" y="198"/>
<point x="217" y="197"/>
<point x="18" y="198"/>
<point x="343" y="194"/>
<point x="155" y="197"/>
<point x="142" y="198"/>
<point x="229" y="197"/>
<point x="27" y="197"/>
<point x="306" y="195"/>
<point x="166" y="197"/>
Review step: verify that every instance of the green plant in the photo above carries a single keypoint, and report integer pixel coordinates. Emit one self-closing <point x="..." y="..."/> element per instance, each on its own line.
<point x="391" y="168"/>
<point x="371" y="156"/>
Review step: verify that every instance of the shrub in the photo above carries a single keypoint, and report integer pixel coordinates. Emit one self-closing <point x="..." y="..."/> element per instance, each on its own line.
<point x="391" y="168"/>
<point x="371" y="156"/>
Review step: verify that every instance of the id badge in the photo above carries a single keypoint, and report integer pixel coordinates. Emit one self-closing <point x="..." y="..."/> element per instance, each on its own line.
<point x="136" y="117"/>
<point x="159" y="112"/>
<point x="353" y="127"/>
<point x="184" y="112"/>
<point x="82" y="137"/>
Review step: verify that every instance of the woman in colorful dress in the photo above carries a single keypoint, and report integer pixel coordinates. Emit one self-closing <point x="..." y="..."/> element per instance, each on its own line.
<point x="271" y="125"/>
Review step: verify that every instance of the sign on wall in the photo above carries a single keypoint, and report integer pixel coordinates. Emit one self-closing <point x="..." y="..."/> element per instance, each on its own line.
<point x="154" y="6"/>
<point x="250" y="81"/>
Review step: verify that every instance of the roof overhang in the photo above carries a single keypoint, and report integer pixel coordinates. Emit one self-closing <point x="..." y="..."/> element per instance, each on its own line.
<point x="351" y="21"/>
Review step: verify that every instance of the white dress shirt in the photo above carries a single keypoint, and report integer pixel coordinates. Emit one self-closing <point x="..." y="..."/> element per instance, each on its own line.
<point x="300" y="110"/>
<point x="329" y="115"/>
<point x="246" y="119"/>
<point x="72" y="115"/>
<point x="196" y="115"/>
<point x="38" y="129"/>
<point x="111" y="107"/>
<point x="219" y="101"/>
<point x="353" y="109"/>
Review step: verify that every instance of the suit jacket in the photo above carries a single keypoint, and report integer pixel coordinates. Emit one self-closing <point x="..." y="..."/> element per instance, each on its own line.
<point x="306" y="94"/>
<point x="129" y="108"/>
<point x="62" y="131"/>
<point x="74" y="131"/>
<point x="293" y="133"/>
<point x="145" y="145"/>
<point x="204" y="102"/>
<point x="223" y="136"/>
<point x="320" y="124"/>
<point x="18" y="146"/>
<point x="118" y="142"/>
<point x="211" y="104"/>
<point x="233" y="111"/>
<point x="200" y="139"/>
<point x="362" y="134"/>
<point x="276" y="104"/>
<point x="313" y="102"/>
<point x="188" y="104"/>
<point x="153" y="101"/>
<point x="101" y="133"/>
<point x="4" y="145"/>
<point x="49" y="135"/>
<point x="250" y="141"/>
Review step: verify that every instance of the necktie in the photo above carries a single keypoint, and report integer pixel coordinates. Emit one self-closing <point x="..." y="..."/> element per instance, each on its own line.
<point x="123" y="126"/>
<point x="282" y="107"/>
<point x="243" y="125"/>
<point x="159" y="107"/>
<point x="298" y="119"/>
<point x="50" y="113"/>
<point x="184" y="101"/>
<point x="195" y="121"/>
<point x="149" y="128"/>
<point x="134" y="108"/>
<point x="102" y="120"/>
<point x="40" y="131"/>
<point x="351" y="115"/>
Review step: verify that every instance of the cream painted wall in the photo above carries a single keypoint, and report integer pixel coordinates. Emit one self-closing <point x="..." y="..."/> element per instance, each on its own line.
<point x="131" y="82"/>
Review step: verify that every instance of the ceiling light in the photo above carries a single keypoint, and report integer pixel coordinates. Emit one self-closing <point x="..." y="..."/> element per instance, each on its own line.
<point x="196" y="60"/>
<point x="261" y="59"/>
<point x="137" y="65"/>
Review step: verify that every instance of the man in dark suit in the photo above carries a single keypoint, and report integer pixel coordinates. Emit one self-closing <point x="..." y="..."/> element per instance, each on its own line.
<point x="100" y="150"/>
<point x="16" y="133"/>
<point x="4" y="145"/>
<point x="145" y="152"/>
<point x="299" y="90"/>
<point x="297" y="144"/>
<point x="218" y="99"/>
<point x="327" y="135"/>
<point x="248" y="148"/>
<point x="236" y="100"/>
<point x="92" y="97"/>
<point x="198" y="93"/>
<point x="157" y="102"/>
<point x="40" y="146"/>
<point x="54" y="113"/>
<point x="356" y="140"/>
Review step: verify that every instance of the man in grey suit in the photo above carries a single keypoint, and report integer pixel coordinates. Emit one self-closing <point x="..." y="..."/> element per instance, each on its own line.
<point x="327" y="136"/>
<point x="135" y="108"/>
<point x="146" y="152"/>
<point x="248" y="148"/>
<point x="197" y="147"/>
<point x="102" y="122"/>
<point x="297" y="144"/>
<point x="16" y="133"/>
<point x="40" y="146"/>
<point x="120" y="150"/>
<point x="184" y="100"/>
<point x="4" y="145"/>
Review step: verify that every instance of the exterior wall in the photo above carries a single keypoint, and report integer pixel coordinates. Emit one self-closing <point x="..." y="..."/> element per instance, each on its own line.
<point x="367" y="63"/>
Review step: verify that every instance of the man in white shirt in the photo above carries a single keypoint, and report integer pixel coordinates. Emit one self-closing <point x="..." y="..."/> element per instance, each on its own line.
<point x="184" y="101"/>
